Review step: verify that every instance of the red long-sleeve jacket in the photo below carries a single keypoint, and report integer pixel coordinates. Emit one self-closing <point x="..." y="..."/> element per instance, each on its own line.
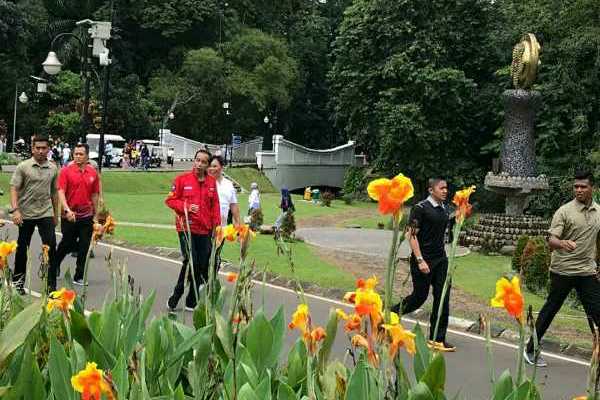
<point x="187" y="190"/>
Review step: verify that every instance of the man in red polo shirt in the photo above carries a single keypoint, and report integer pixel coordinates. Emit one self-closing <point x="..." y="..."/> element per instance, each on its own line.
<point x="78" y="192"/>
<point x="194" y="195"/>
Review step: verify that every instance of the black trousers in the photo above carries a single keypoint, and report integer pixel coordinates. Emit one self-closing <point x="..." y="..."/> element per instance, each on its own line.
<point x="201" y="246"/>
<point x="588" y="292"/>
<point x="77" y="236"/>
<point x="421" y="284"/>
<point x="46" y="230"/>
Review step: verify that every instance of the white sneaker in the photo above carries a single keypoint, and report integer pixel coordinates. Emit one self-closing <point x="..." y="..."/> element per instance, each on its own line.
<point x="190" y="309"/>
<point x="79" y="282"/>
<point x="531" y="359"/>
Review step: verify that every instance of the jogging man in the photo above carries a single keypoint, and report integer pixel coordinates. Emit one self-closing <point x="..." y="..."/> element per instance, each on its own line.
<point x="428" y="261"/>
<point x="573" y="237"/>
<point x="34" y="202"/>
<point x="195" y="200"/>
<point x="78" y="191"/>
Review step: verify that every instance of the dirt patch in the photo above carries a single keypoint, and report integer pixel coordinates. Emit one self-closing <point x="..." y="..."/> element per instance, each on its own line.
<point x="337" y="219"/>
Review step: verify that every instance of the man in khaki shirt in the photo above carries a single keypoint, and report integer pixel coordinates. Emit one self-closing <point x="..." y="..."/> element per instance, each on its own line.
<point x="573" y="237"/>
<point x="34" y="202"/>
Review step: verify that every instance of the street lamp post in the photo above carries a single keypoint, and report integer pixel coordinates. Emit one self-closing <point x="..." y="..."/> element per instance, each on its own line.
<point x="22" y="99"/>
<point x="168" y="116"/>
<point x="99" y="32"/>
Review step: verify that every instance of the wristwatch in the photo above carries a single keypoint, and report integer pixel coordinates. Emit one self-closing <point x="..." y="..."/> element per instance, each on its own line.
<point x="420" y="260"/>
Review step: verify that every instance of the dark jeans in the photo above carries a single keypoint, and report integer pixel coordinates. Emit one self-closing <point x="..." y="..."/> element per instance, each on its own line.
<point x="421" y="283"/>
<point x="201" y="248"/>
<point x="588" y="292"/>
<point x="46" y="230"/>
<point x="77" y="236"/>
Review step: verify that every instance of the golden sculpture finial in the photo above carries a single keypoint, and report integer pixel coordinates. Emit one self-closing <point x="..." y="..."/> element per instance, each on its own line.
<point x="525" y="61"/>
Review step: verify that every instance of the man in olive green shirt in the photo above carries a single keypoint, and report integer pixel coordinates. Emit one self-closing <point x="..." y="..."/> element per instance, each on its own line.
<point x="573" y="237"/>
<point x="34" y="202"/>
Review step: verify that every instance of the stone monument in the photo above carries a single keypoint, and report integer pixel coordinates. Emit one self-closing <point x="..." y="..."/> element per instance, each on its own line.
<point x="516" y="175"/>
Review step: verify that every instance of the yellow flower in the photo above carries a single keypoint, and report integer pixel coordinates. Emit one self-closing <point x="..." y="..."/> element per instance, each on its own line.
<point x="45" y="256"/>
<point x="400" y="337"/>
<point x="461" y="201"/>
<point x="341" y="314"/>
<point x="391" y="193"/>
<point x="508" y="296"/>
<point x="394" y="318"/>
<point x="300" y="319"/>
<point x="62" y="299"/>
<point x="91" y="383"/>
<point x="368" y="302"/>
<point x="229" y="233"/>
<point x="369" y="283"/>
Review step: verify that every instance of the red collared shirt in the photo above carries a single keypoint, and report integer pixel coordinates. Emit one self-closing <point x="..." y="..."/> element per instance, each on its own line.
<point x="188" y="190"/>
<point x="79" y="186"/>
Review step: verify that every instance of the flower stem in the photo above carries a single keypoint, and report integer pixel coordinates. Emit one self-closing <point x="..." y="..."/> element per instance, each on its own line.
<point x="520" y="355"/>
<point x="389" y="278"/>
<point x="448" y="281"/>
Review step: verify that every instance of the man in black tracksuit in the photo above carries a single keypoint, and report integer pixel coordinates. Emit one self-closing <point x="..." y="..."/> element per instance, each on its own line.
<point x="428" y="262"/>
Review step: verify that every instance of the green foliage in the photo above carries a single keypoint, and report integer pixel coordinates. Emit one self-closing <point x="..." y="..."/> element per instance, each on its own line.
<point x="256" y="219"/>
<point x="355" y="181"/>
<point x="327" y="197"/>
<point x="288" y="225"/>
<point x="535" y="263"/>
<point x="8" y="159"/>
<point x="65" y="125"/>
<point x="516" y="258"/>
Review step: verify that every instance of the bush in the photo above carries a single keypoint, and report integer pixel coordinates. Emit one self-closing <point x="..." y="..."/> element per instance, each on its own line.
<point x="288" y="226"/>
<point x="355" y="181"/>
<point x="326" y="198"/>
<point x="348" y="199"/>
<point x="8" y="159"/>
<point x="516" y="258"/>
<point x="535" y="262"/>
<point x="256" y="219"/>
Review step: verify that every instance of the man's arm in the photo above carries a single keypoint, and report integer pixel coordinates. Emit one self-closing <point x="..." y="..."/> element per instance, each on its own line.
<point x="235" y="213"/>
<point x="415" y="220"/>
<point x="63" y="202"/>
<point x="556" y="243"/>
<point x="556" y="232"/>
<point x="17" y="218"/>
<point x="173" y="200"/>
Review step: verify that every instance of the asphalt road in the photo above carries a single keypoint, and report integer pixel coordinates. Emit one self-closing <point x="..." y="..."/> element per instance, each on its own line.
<point x="467" y="369"/>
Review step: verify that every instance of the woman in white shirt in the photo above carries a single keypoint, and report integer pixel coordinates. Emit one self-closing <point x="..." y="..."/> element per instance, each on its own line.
<point x="227" y="193"/>
<point x="254" y="198"/>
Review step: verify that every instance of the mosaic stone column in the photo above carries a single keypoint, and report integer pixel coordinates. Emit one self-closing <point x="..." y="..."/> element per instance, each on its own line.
<point x="518" y="146"/>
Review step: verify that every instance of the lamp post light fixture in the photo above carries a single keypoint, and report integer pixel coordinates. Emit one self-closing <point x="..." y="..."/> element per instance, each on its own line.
<point x="92" y="46"/>
<point x="168" y="116"/>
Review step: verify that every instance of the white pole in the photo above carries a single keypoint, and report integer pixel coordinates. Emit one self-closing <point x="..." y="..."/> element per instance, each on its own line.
<point x="12" y="148"/>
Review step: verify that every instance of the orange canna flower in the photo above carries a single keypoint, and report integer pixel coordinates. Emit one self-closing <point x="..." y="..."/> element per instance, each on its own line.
<point x="508" y="296"/>
<point x="368" y="283"/>
<point x="461" y="201"/>
<point x="109" y="225"/>
<point x="62" y="299"/>
<point x="245" y="232"/>
<point x="229" y="233"/>
<point x="92" y="383"/>
<point x="318" y="334"/>
<point x="45" y="256"/>
<point x="350" y="297"/>
<point x="300" y="318"/>
<point x="7" y="248"/>
<point x="354" y="323"/>
<point x="231" y="277"/>
<point x="368" y="302"/>
<point x="399" y="337"/>
<point x="361" y="341"/>
<point x="391" y="193"/>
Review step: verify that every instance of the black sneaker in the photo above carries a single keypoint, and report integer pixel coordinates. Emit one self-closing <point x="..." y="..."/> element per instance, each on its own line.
<point x="171" y="309"/>
<point x="21" y="290"/>
<point x="532" y="359"/>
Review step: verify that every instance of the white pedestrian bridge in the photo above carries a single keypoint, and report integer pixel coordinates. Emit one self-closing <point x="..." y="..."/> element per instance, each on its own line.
<point x="294" y="166"/>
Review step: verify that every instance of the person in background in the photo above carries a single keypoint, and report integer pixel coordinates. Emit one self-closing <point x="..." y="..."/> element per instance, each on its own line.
<point x="79" y="191"/>
<point x="66" y="154"/>
<point x="286" y="205"/>
<point x="145" y="154"/>
<point x="171" y="156"/>
<point x="574" y="234"/>
<point x="34" y="202"/>
<point x="195" y="200"/>
<point x="253" y="198"/>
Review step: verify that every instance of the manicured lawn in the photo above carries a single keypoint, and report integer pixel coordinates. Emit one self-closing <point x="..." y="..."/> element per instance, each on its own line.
<point x="263" y="250"/>
<point x="477" y="275"/>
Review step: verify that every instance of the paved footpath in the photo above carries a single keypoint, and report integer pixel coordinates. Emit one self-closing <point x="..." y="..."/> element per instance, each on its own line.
<point x="368" y="242"/>
<point x="467" y="370"/>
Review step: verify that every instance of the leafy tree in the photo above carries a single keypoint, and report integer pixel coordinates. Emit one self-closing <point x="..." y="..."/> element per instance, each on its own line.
<point x="405" y="81"/>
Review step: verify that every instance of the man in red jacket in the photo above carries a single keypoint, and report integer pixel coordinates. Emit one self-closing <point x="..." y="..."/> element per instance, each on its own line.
<point x="195" y="200"/>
